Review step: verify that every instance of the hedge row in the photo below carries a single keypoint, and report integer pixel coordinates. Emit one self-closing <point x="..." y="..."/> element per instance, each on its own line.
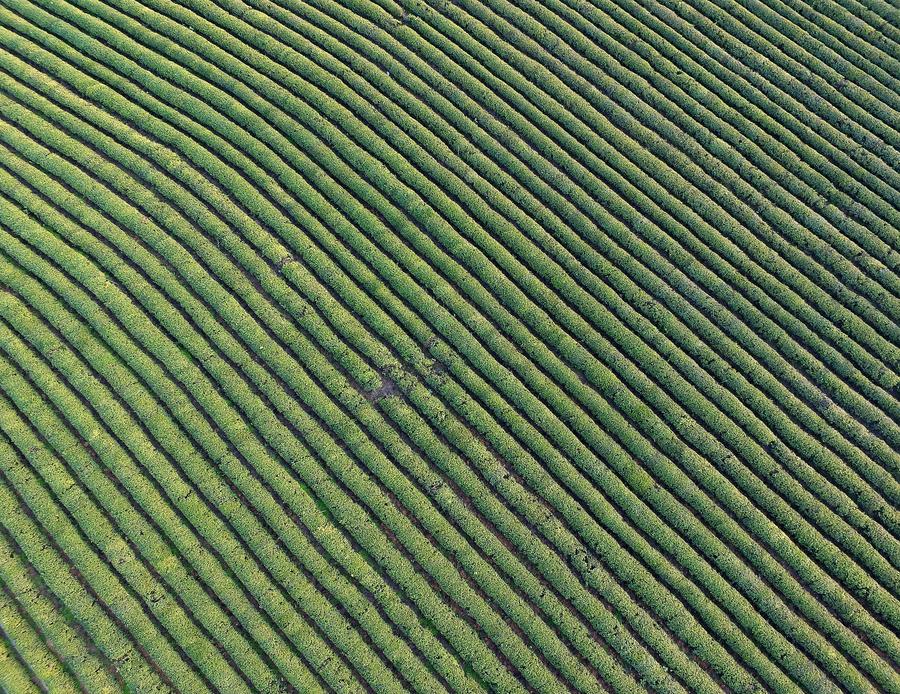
<point x="78" y="656"/>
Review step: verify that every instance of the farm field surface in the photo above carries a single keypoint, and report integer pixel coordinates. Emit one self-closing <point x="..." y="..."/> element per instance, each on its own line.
<point x="450" y="346"/>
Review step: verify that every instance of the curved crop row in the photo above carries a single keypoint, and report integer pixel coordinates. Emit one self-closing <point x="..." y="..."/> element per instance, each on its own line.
<point x="379" y="345"/>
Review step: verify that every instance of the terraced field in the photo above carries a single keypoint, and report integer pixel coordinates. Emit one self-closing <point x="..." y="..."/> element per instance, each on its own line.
<point x="450" y="345"/>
